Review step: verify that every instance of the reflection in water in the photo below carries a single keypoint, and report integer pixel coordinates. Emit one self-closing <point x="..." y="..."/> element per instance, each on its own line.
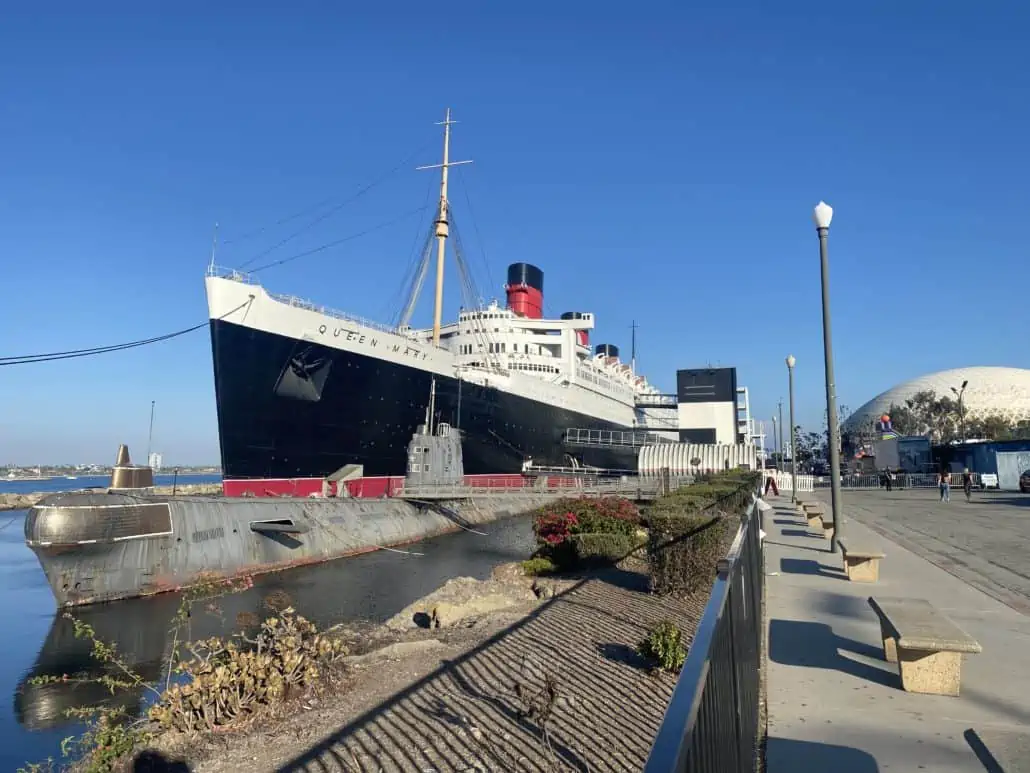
<point x="373" y="587"/>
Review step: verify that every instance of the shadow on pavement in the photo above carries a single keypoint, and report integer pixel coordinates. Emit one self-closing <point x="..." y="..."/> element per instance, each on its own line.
<point x="815" y="645"/>
<point x="809" y="566"/>
<point x="814" y="548"/>
<point x="788" y="521"/>
<point x="788" y="754"/>
<point x="801" y="533"/>
<point x="1023" y="501"/>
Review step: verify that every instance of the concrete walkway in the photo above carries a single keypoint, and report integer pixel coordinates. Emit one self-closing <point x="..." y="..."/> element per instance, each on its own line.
<point x="834" y="703"/>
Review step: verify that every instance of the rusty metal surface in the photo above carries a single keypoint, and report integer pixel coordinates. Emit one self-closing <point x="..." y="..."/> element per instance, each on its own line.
<point x="211" y="539"/>
<point x="72" y="518"/>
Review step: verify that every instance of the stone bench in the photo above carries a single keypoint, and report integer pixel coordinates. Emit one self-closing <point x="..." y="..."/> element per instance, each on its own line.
<point x="826" y="523"/>
<point x="861" y="564"/>
<point x="925" y="643"/>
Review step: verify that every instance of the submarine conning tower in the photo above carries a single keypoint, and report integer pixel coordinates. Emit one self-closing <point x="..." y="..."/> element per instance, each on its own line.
<point x="126" y="475"/>
<point x="607" y="350"/>
<point x="525" y="290"/>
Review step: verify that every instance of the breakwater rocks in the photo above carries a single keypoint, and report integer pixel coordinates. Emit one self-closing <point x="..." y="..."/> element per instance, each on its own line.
<point x="25" y="501"/>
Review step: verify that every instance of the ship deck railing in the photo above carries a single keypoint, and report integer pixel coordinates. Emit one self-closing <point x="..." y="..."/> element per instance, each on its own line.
<point x="300" y="303"/>
<point x="637" y="488"/>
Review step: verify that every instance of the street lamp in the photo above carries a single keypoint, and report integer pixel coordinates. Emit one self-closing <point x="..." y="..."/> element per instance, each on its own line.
<point x="961" y="412"/>
<point x="822" y="215"/>
<point x="776" y="446"/>
<point x="791" y="362"/>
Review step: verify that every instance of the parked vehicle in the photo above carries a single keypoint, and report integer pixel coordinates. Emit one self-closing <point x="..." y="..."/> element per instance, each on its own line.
<point x="1024" y="481"/>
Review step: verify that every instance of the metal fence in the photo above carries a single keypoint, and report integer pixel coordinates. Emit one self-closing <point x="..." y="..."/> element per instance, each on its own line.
<point x="901" y="481"/>
<point x="711" y="725"/>
<point x="634" y="488"/>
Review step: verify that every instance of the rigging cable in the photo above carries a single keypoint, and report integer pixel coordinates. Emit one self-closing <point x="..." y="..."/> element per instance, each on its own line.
<point x="73" y="353"/>
<point x="361" y="192"/>
<point x="475" y="227"/>
<point x="326" y="246"/>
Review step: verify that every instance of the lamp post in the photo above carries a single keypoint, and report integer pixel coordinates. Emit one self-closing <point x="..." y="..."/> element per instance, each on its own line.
<point x="791" y="362"/>
<point x="961" y="413"/>
<point x="776" y="444"/>
<point x="822" y="215"/>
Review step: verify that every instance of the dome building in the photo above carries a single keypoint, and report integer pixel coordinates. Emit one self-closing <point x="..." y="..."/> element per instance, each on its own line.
<point x="990" y="391"/>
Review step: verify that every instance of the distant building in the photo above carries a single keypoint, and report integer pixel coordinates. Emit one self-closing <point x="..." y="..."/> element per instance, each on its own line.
<point x="155" y="461"/>
<point x="990" y="391"/>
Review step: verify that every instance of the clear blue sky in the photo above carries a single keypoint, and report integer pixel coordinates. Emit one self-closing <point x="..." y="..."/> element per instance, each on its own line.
<point x="659" y="161"/>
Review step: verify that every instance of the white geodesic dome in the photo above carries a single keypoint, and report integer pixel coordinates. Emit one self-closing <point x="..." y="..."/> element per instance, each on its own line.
<point x="990" y="391"/>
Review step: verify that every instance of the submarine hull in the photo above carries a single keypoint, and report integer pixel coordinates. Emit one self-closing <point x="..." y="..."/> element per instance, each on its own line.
<point x="96" y="547"/>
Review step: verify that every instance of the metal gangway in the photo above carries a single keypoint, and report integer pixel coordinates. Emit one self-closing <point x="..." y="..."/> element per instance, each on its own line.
<point x="612" y="438"/>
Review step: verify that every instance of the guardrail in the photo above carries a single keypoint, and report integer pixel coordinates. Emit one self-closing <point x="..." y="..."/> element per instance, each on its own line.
<point x="711" y="725"/>
<point x="638" y="488"/>
<point x="784" y="480"/>
<point x="901" y="481"/>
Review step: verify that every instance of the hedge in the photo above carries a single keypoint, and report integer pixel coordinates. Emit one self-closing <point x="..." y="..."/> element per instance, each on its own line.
<point x="691" y="529"/>
<point x="604" y="548"/>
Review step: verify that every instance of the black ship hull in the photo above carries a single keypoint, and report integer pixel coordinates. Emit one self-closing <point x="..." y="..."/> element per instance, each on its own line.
<point x="289" y="408"/>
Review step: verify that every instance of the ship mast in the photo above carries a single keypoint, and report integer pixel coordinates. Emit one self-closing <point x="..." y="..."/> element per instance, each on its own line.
<point x="441" y="221"/>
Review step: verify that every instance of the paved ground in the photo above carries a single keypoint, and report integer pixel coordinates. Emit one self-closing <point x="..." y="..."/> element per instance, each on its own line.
<point x="834" y="703"/>
<point x="985" y="542"/>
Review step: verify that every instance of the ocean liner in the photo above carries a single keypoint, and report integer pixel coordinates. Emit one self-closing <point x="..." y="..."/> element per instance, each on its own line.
<point x="303" y="390"/>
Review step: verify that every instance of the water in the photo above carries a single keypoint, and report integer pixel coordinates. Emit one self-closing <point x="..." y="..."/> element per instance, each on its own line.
<point x="39" y="641"/>
<point x="92" y="481"/>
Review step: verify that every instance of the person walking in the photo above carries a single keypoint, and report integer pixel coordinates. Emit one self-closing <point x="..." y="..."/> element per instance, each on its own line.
<point x="889" y="478"/>
<point x="944" y="483"/>
<point x="967" y="484"/>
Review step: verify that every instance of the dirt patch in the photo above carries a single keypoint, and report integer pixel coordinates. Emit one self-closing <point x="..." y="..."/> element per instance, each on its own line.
<point x="541" y="684"/>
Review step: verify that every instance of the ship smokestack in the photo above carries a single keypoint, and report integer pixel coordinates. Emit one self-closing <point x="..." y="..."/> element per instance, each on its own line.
<point x="608" y="350"/>
<point x="583" y="336"/>
<point x="525" y="290"/>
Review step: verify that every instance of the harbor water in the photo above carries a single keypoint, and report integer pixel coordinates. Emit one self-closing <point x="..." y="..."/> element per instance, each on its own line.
<point x="40" y="642"/>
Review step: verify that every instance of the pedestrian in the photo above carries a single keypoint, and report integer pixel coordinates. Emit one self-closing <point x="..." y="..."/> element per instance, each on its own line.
<point x="967" y="484"/>
<point x="889" y="478"/>
<point x="770" y="482"/>
<point x="944" y="483"/>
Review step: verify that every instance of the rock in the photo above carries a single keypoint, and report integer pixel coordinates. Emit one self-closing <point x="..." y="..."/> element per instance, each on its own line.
<point x="511" y="574"/>
<point x="463" y="593"/>
<point x="543" y="590"/>
<point x="394" y="651"/>
<point x="446" y="614"/>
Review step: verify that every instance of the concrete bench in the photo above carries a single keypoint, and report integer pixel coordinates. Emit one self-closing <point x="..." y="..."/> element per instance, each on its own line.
<point x="826" y="523"/>
<point x="862" y="564"/>
<point x="925" y="643"/>
<point x="1004" y="750"/>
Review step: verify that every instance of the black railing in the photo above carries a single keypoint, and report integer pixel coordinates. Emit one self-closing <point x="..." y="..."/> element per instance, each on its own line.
<point x="711" y="725"/>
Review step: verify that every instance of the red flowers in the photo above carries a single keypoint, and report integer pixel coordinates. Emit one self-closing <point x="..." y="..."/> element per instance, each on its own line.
<point x="554" y="528"/>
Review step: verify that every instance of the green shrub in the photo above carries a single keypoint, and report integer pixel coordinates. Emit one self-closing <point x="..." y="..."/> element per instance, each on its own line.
<point x="539" y="565"/>
<point x="664" y="647"/>
<point x="595" y="523"/>
<point x="604" y="548"/>
<point x="683" y="551"/>
<point x="229" y="682"/>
